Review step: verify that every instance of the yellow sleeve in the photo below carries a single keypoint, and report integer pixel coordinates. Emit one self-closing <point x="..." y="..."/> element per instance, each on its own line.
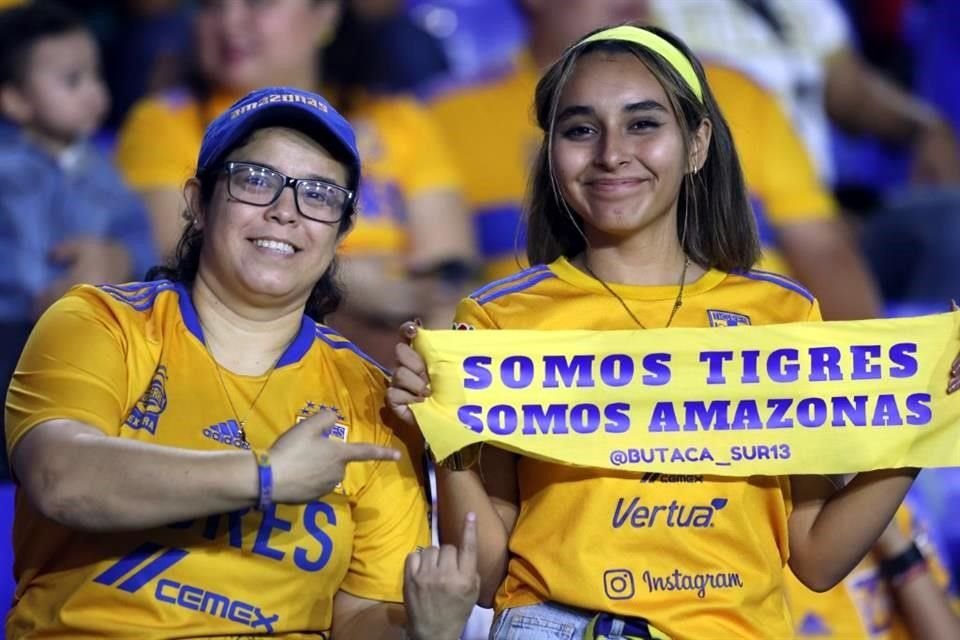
<point x="424" y="161"/>
<point x="73" y="367"/>
<point x="390" y="522"/>
<point x="777" y="166"/>
<point x="470" y="315"/>
<point x="158" y="144"/>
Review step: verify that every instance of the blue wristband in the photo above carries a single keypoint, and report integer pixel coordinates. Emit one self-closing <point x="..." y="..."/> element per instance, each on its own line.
<point x="265" y="495"/>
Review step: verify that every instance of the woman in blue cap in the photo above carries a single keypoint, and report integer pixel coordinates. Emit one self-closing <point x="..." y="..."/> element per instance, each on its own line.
<point x="198" y="455"/>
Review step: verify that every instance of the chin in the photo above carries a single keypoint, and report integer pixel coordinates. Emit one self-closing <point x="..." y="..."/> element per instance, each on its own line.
<point x="271" y="289"/>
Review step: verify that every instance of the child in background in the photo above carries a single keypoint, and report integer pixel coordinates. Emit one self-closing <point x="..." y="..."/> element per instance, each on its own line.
<point x="65" y="215"/>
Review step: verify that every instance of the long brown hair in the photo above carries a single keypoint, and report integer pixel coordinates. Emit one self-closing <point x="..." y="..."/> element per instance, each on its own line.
<point x="715" y="223"/>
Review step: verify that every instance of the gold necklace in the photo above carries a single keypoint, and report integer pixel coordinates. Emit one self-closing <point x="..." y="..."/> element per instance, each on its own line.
<point x="242" y="423"/>
<point x="676" y="303"/>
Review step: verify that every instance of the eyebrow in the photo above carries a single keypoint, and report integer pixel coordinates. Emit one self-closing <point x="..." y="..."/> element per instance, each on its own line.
<point x="311" y="176"/>
<point x="632" y="107"/>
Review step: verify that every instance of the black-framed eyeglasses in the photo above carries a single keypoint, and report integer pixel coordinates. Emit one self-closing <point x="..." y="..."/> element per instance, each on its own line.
<point x="318" y="200"/>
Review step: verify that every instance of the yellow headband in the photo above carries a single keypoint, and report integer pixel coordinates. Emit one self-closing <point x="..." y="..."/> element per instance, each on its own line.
<point x="652" y="41"/>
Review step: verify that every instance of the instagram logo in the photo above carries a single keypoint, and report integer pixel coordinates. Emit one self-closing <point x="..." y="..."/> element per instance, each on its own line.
<point x="618" y="584"/>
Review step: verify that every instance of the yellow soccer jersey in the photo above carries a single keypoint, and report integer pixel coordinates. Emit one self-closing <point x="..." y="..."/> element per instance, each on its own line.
<point x="779" y="172"/>
<point x="403" y="157"/>
<point x="490" y="124"/>
<point x="862" y="607"/>
<point x="130" y="360"/>
<point x="699" y="556"/>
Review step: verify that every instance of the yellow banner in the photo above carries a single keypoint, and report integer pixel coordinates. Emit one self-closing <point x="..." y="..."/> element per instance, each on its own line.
<point x="804" y="398"/>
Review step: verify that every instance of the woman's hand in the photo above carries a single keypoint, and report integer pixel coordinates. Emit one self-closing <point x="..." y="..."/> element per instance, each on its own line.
<point x="410" y="382"/>
<point x="441" y="586"/>
<point x="954" y="382"/>
<point x="307" y="463"/>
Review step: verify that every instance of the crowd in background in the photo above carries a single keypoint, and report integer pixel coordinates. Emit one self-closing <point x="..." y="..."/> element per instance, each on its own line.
<point x="844" y="112"/>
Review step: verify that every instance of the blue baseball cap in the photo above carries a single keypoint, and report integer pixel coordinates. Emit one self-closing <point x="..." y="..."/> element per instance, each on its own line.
<point x="281" y="107"/>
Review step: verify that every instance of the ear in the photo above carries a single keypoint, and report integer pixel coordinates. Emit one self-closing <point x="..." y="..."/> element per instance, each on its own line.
<point x="699" y="146"/>
<point x="191" y="195"/>
<point x="343" y="234"/>
<point x="14" y="104"/>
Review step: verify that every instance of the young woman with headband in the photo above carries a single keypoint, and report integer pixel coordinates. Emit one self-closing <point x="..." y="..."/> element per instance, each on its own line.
<point x="638" y="218"/>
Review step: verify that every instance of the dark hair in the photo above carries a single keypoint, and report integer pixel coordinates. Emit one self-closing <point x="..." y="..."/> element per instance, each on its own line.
<point x="183" y="265"/>
<point x="715" y="223"/>
<point x="22" y="27"/>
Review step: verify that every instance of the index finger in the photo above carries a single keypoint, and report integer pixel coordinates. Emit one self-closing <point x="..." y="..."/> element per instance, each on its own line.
<point x="361" y="452"/>
<point x="467" y="552"/>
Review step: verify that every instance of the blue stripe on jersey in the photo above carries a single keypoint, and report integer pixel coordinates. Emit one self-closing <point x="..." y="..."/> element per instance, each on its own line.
<point x="139" y="295"/>
<point x="502" y="281"/>
<point x="188" y="314"/>
<point x="499" y="230"/>
<point x="337" y="341"/>
<point x="293" y="353"/>
<point x="520" y="286"/>
<point x="301" y="344"/>
<point x="786" y="283"/>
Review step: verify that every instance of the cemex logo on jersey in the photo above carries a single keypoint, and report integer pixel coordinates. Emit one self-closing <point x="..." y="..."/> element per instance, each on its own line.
<point x="142" y="566"/>
<point x="669" y="478"/>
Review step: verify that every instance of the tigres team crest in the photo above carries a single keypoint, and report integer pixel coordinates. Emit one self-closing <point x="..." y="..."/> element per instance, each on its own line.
<point x="340" y="430"/>
<point x="720" y="318"/>
<point x="146" y="413"/>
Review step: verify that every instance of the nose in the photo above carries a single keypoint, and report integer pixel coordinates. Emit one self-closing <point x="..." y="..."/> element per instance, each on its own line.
<point x="612" y="151"/>
<point x="284" y="208"/>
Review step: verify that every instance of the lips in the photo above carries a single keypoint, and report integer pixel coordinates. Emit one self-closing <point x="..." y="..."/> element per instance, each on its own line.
<point x="614" y="185"/>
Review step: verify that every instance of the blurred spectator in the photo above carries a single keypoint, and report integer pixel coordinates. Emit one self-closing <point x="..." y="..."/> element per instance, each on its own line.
<point x="66" y="216"/>
<point x="802" y="52"/>
<point x="894" y="593"/>
<point x="800" y="228"/>
<point x="380" y="47"/>
<point x="146" y="46"/>
<point x="475" y="35"/>
<point x="937" y="49"/>
<point x="412" y="246"/>
<point x="488" y="121"/>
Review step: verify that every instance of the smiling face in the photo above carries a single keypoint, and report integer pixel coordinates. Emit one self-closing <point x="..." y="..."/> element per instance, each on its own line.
<point x="618" y="151"/>
<point x="245" y="44"/>
<point x="271" y="255"/>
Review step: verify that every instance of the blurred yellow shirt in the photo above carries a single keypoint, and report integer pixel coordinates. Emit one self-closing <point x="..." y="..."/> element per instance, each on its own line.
<point x="130" y="360"/>
<point x="699" y="556"/>
<point x="401" y="151"/>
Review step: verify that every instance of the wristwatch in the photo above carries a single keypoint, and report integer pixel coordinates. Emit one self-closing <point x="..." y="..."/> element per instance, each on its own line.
<point x="905" y="564"/>
<point x="461" y="460"/>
